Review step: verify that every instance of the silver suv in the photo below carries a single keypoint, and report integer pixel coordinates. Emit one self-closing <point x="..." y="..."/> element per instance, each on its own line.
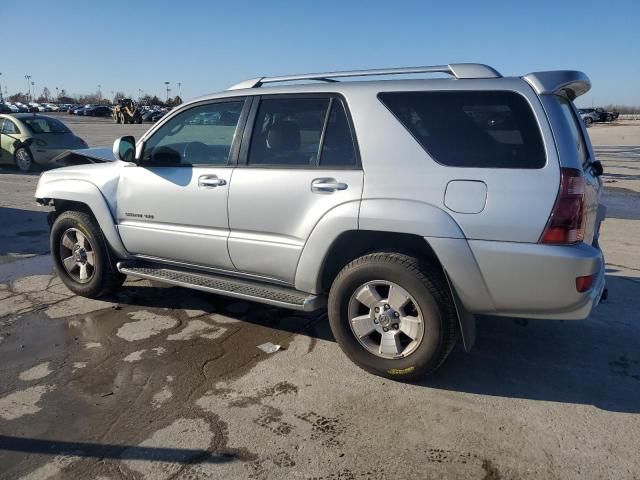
<point x="405" y="206"/>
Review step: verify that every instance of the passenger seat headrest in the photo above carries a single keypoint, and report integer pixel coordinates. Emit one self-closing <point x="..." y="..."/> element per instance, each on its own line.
<point x="284" y="136"/>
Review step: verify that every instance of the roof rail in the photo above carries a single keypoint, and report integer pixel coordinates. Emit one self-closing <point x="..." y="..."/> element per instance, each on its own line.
<point x="457" y="70"/>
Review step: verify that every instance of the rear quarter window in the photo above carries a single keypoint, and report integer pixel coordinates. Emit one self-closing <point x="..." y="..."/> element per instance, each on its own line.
<point x="480" y="129"/>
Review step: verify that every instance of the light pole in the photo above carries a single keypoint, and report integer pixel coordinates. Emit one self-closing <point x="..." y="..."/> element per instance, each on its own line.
<point x="180" y="90"/>
<point x="167" y="84"/>
<point x="57" y="94"/>
<point x="139" y="94"/>
<point x="1" y="97"/>
<point x="33" y="96"/>
<point x="28" y="78"/>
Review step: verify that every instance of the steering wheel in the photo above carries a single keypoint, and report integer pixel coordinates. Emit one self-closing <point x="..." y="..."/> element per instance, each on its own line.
<point x="195" y="152"/>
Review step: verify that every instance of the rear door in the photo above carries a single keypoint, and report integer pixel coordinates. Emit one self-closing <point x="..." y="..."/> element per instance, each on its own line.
<point x="298" y="162"/>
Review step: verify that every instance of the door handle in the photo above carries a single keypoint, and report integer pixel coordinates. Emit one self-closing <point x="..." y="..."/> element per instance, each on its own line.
<point x="211" y="181"/>
<point x="327" y="185"/>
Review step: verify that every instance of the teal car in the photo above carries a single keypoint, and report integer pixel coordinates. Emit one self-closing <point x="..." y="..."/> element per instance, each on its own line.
<point x="27" y="139"/>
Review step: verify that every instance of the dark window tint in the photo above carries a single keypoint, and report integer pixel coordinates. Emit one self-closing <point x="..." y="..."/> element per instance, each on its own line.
<point x="337" y="148"/>
<point x="201" y="135"/>
<point x="287" y="131"/>
<point x="576" y="132"/>
<point x="471" y="129"/>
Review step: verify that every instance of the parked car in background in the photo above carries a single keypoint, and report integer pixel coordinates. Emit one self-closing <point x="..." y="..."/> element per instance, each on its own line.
<point x="601" y="114"/>
<point x="50" y="107"/>
<point x="357" y="197"/>
<point x="97" y="111"/>
<point x="5" y="108"/>
<point x="14" y="108"/>
<point x="588" y="117"/>
<point x="27" y="139"/>
<point x="22" y="108"/>
<point x="148" y="115"/>
<point x="63" y="108"/>
<point x="157" y="116"/>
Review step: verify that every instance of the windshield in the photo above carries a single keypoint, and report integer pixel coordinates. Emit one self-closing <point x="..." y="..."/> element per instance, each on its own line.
<point x="45" y="125"/>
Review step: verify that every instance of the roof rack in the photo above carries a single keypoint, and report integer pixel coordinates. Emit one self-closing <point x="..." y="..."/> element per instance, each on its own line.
<point x="457" y="70"/>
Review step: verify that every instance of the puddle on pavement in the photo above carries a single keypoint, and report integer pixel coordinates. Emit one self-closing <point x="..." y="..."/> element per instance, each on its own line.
<point x="94" y="395"/>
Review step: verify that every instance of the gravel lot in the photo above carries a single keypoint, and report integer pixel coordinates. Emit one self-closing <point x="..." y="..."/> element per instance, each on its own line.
<point x="160" y="383"/>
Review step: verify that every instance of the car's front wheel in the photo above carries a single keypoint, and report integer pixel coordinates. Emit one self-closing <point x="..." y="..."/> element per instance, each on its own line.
<point x="23" y="159"/>
<point x="588" y="121"/>
<point x="392" y="315"/>
<point x="81" y="256"/>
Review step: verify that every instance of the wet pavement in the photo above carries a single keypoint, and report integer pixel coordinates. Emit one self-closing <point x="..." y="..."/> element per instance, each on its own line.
<point x="161" y="382"/>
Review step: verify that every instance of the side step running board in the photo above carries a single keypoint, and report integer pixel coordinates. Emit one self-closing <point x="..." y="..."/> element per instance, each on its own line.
<point x="223" y="285"/>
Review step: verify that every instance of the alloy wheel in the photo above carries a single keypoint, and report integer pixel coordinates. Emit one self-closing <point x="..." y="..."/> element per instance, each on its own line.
<point x="77" y="255"/>
<point x="385" y="319"/>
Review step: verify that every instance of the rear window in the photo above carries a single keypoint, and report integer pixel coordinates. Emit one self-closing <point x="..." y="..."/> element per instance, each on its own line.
<point x="576" y="132"/>
<point x="481" y="129"/>
<point x="45" y="125"/>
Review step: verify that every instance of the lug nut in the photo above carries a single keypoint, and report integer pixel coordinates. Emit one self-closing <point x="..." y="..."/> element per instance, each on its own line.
<point x="377" y="309"/>
<point x="386" y="306"/>
<point x="395" y="326"/>
<point x="375" y="320"/>
<point x="385" y="329"/>
<point x="396" y="314"/>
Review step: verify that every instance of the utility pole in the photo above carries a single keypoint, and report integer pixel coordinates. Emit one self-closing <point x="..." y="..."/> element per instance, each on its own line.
<point x="28" y="79"/>
<point x="180" y="90"/>
<point x="33" y="96"/>
<point x="1" y="97"/>
<point x="167" y="84"/>
<point x="57" y="94"/>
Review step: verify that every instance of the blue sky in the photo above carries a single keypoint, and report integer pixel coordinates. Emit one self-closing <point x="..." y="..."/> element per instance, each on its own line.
<point x="209" y="45"/>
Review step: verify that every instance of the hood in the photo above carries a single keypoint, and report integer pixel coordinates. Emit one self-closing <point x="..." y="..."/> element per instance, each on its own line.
<point x="86" y="156"/>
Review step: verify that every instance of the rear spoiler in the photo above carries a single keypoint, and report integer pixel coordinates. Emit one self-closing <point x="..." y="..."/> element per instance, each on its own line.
<point x="570" y="83"/>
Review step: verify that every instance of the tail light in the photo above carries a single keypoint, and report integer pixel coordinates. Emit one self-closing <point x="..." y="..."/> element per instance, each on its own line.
<point x="566" y="222"/>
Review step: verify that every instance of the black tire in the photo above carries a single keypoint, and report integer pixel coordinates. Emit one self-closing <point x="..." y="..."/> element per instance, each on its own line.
<point x="425" y="282"/>
<point x="105" y="278"/>
<point x="609" y="117"/>
<point x="23" y="159"/>
<point x="117" y="118"/>
<point x="588" y="121"/>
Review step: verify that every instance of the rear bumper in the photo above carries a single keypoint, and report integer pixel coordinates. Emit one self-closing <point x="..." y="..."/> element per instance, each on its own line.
<point x="539" y="281"/>
<point x="522" y="279"/>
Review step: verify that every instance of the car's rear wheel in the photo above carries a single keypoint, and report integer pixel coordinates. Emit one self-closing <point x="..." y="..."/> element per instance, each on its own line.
<point x="588" y="121"/>
<point x="81" y="256"/>
<point x="392" y="315"/>
<point x="23" y="159"/>
<point x="609" y="118"/>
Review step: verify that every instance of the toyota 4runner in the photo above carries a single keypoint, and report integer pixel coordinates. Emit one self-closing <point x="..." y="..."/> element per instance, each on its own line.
<point x="406" y="207"/>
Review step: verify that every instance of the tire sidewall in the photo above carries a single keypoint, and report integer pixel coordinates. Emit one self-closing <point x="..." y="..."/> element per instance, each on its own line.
<point x="424" y="358"/>
<point x="31" y="162"/>
<point x="95" y="285"/>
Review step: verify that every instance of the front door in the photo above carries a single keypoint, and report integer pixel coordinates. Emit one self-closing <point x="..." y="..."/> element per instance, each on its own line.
<point x="173" y="205"/>
<point x="300" y="163"/>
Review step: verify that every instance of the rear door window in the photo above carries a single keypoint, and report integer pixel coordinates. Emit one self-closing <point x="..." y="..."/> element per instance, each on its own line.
<point x="481" y="129"/>
<point x="301" y="131"/>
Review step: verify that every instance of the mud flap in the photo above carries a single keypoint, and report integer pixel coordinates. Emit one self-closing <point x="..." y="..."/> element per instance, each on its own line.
<point x="466" y="320"/>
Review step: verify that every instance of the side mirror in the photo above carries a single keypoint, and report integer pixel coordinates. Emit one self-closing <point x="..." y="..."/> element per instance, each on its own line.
<point x="124" y="148"/>
<point x="596" y="168"/>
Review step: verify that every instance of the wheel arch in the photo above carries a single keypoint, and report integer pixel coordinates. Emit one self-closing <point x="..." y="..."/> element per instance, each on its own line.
<point x="81" y="195"/>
